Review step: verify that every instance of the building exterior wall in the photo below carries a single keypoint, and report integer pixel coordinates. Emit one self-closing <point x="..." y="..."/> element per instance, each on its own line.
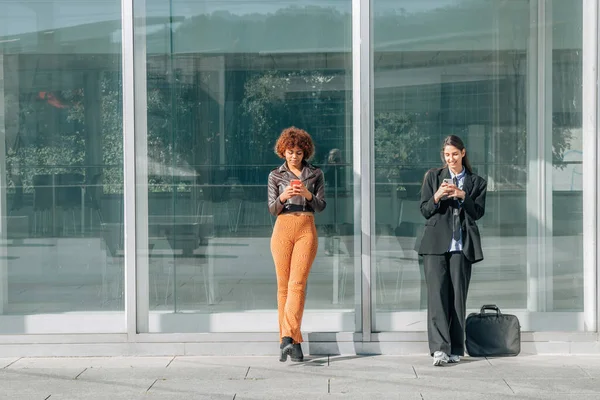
<point x="138" y="137"/>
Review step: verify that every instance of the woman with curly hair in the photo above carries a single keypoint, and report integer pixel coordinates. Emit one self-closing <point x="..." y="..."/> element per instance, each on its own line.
<point x="296" y="192"/>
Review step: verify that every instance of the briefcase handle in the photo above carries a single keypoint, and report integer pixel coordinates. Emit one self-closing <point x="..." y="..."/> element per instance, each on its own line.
<point x="490" y="307"/>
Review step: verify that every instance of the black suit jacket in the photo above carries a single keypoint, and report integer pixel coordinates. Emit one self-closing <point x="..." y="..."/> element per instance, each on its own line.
<point x="437" y="235"/>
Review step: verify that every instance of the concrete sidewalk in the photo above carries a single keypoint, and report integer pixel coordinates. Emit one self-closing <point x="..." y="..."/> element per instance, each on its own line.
<point x="335" y="377"/>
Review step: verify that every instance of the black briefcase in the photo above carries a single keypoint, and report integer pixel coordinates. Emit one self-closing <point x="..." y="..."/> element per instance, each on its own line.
<point x="492" y="334"/>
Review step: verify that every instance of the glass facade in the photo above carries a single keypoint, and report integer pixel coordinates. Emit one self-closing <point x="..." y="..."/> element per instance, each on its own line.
<point x="61" y="167"/>
<point x="509" y="85"/>
<point x="220" y="86"/>
<point x="174" y="237"/>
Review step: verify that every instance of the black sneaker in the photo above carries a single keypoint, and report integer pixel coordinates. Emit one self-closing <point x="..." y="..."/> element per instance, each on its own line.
<point x="297" y="355"/>
<point x="285" y="348"/>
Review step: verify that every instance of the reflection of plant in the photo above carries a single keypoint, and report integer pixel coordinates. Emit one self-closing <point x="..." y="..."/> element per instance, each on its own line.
<point x="276" y="99"/>
<point x="561" y="141"/>
<point x="41" y="146"/>
<point x="263" y="103"/>
<point x="398" y="142"/>
<point x="511" y="158"/>
<point x="170" y="140"/>
<point x="512" y="140"/>
<point x="44" y="147"/>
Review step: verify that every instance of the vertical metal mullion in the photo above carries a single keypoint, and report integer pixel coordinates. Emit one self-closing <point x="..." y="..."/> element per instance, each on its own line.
<point x="142" y="273"/>
<point x="363" y="150"/>
<point x="127" y="20"/>
<point x="596" y="159"/>
<point x="591" y="162"/>
<point x="539" y="158"/>
<point x="543" y="157"/>
<point x="3" y="196"/>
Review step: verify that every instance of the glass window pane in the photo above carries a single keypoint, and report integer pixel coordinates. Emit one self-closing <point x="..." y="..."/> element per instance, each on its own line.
<point x="61" y="187"/>
<point x="473" y="69"/>
<point x="223" y="80"/>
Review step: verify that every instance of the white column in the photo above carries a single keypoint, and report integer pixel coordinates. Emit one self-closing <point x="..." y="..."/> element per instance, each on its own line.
<point x="135" y="167"/>
<point x="591" y="162"/>
<point x="362" y="85"/>
<point x="539" y="157"/>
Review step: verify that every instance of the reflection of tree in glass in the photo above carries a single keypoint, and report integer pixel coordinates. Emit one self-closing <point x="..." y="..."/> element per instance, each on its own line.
<point x="171" y="138"/>
<point x="512" y="135"/>
<point x="398" y="144"/>
<point x="264" y="104"/>
<point x="308" y="99"/>
<point x="51" y="139"/>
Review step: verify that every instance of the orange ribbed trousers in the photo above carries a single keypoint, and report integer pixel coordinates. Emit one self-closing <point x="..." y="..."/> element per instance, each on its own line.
<point x="294" y="247"/>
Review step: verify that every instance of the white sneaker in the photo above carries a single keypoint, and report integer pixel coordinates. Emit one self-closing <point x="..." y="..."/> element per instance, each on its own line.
<point x="453" y="359"/>
<point x="440" y="358"/>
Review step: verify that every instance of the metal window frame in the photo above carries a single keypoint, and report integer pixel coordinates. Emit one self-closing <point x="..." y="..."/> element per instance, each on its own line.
<point x="129" y="213"/>
<point x="362" y="115"/>
<point x="591" y="161"/>
<point x="135" y="168"/>
<point x="134" y="120"/>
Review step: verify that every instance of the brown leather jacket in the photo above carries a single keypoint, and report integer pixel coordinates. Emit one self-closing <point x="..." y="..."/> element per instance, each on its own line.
<point x="311" y="177"/>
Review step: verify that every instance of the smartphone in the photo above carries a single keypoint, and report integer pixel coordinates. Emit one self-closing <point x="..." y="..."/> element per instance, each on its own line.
<point x="295" y="182"/>
<point x="449" y="181"/>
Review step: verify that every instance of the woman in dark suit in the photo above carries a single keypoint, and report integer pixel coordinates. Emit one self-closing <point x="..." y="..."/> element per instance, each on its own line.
<point x="452" y="200"/>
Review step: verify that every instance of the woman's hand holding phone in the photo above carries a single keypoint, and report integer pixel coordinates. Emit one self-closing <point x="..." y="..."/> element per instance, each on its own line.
<point x="445" y="189"/>
<point x="448" y="189"/>
<point x="287" y="194"/>
<point x="300" y="189"/>
<point x="296" y="188"/>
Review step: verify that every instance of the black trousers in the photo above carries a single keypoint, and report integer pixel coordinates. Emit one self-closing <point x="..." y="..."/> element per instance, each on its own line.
<point x="447" y="277"/>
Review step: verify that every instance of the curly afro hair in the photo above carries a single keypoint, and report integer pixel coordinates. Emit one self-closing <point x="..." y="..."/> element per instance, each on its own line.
<point x="294" y="137"/>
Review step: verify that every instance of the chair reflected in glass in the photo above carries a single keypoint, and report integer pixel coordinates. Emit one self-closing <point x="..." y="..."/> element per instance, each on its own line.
<point x="185" y="236"/>
<point x="43" y="202"/>
<point x="215" y="203"/>
<point x="69" y="198"/>
<point x="112" y="288"/>
<point x="256" y="211"/>
<point x="410" y="224"/>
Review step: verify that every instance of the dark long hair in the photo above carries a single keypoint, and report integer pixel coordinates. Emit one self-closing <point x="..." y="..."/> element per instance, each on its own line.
<point x="455" y="141"/>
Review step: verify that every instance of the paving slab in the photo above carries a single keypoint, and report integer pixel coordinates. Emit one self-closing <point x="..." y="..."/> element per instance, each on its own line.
<point x="482" y="368"/>
<point x="545" y="360"/>
<point x="457" y="394"/>
<point x="201" y="373"/>
<point x="541" y="372"/>
<point x="199" y="361"/>
<point x="406" y="388"/>
<point x="40" y="388"/>
<point x="479" y="367"/>
<point x="466" y="385"/>
<point x="330" y="396"/>
<point x="358" y="367"/>
<point x="389" y="368"/>
<point x="266" y="386"/>
<point x="5" y="362"/>
<point x="591" y="372"/>
<point x="27" y="387"/>
<point x="185" y="396"/>
<point x="420" y="386"/>
<point x="554" y="386"/>
<point x="88" y="362"/>
<point x="264" y="378"/>
<point x="41" y="373"/>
